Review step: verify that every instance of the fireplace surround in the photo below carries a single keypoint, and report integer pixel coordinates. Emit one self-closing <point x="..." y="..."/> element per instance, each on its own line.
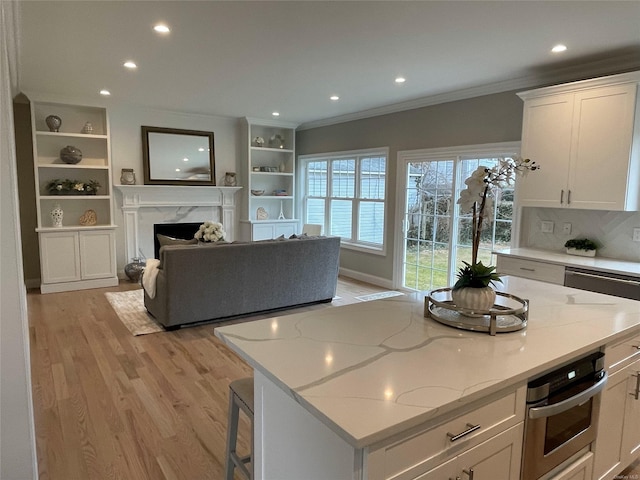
<point x="143" y="206"/>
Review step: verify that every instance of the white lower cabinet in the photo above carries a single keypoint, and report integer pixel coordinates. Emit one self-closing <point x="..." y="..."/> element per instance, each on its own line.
<point x="76" y="259"/>
<point x="486" y="442"/>
<point x="252" y="231"/>
<point x="618" y="442"/>
<point x="581" y="469"/>
<point x="535" y="270"/>
<point x="496" y="459"/>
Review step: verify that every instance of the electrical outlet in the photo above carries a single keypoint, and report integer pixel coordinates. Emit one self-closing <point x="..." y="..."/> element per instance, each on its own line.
<point x="636" y="234"/>
<point x="546" y="227"/>
<point x="566" y="229"/>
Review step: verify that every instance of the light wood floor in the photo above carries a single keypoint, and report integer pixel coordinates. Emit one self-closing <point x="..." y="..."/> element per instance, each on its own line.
<point x="109" y="405"/>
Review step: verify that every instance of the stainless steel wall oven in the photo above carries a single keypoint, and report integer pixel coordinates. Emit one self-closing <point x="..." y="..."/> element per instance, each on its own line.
<point x="562" y="414"/>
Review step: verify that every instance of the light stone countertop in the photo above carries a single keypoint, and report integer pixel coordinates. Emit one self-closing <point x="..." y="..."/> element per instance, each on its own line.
<point x="375" y="369"/>
<point x="611" y="265"/>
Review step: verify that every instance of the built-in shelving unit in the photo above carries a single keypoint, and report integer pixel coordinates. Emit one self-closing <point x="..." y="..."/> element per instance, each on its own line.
<point x="75" y="255"/>
<point x="269" y="176"/>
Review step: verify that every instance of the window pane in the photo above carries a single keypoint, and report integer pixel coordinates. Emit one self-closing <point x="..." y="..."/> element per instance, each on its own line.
<point x="315" y="211"/>
<point x="341" y="213"/>
<point x="371" y="222"/>
<point x="317" y="179"/>
<point x="343" y="178"/>
<point x="372" y="177"/>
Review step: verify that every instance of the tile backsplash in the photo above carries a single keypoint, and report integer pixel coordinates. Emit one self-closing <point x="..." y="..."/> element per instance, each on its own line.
<point x="613" y="231"/>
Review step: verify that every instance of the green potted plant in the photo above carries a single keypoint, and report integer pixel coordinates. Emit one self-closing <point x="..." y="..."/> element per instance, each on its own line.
<point x="473" y="289"/>
<point x="581" y="246"/>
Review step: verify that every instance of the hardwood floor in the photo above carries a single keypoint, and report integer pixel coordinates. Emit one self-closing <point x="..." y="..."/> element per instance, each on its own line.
<point x="109" y="405"/>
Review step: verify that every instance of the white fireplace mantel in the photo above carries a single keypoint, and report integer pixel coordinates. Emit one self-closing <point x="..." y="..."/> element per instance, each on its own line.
<point x="216" y="202"/>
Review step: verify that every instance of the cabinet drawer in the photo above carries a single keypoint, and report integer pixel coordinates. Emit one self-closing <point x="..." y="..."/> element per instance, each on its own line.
<point x="417" y="454"/>
<point x="619" y="354"/>
<point x="545" y="272"/>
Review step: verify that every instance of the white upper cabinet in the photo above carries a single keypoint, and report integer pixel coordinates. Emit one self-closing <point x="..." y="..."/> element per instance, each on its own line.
<point x="582" y="135"/>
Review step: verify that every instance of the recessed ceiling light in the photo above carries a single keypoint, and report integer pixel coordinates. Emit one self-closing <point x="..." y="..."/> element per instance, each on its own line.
<point x="130" y="64"/>
<point x="177" y="169"/>
<point x="335" y="98"/>
<point x="276" y="114"/>
<point x="185" y="159"/>
<point x="106" y="93"/>
<point x="400" y="80"/>
<point x="559" y="48"/>
<point x="201" y="149"/>
<point x="161" y="28"/>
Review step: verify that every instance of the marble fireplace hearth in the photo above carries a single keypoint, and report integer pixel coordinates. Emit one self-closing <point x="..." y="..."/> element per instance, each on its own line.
<point x="143" y="206"/>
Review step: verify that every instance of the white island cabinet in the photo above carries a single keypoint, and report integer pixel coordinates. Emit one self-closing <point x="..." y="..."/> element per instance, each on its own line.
<point x="572" y="131"/>
<point x="376" y="391"/>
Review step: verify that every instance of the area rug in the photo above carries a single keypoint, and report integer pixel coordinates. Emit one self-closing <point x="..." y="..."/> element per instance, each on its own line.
<point x="129" y="306"/>
<point x="379" y="295"/>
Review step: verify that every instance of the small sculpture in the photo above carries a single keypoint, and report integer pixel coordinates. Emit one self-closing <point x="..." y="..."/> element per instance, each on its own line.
<point x="88" y="218"/>
<point x="88" y="128"/>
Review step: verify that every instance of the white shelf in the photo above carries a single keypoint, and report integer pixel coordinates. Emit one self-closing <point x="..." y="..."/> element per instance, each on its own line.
<point x="74" y="228"/>
<point x="75" y="197"/>
<point x="270" y="149"/>
<point x="70" y="135"/>
<point x="76" y="166"/>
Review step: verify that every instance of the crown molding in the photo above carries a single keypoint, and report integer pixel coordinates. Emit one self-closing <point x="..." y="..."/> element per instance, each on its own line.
<point x="570" y="73"/>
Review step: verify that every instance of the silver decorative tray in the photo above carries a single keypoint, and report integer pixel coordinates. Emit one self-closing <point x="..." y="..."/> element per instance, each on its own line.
<point x="501" y="318"/>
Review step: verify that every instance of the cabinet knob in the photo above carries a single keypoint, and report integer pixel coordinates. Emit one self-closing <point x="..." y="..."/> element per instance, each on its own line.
<point x="469" y="473"/>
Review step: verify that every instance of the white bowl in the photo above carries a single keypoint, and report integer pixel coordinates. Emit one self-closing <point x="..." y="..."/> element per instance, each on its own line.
<point x="257" y="192"/>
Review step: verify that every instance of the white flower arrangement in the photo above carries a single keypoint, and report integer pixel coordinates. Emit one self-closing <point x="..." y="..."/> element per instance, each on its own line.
<point x="210" y="232"/>
<point x="477" y="198"/>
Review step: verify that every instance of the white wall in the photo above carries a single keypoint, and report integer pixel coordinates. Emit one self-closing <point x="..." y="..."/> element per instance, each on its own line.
<point x="17" y="444"/>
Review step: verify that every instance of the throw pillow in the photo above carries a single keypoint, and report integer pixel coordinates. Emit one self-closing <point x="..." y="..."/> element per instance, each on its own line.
<point x="165" y="240"/>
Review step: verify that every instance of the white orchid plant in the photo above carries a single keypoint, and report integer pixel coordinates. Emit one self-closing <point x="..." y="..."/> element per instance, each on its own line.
<point x="477" y="198"/>
<point x="210" y="232"/>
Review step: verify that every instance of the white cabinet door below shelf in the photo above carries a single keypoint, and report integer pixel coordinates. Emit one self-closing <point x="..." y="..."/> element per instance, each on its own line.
<point x="59" y="257"/>
<point x="97" y="254"/>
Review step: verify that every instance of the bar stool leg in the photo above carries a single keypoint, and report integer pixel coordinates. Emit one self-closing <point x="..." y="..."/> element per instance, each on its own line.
<point x="232" y="435"/>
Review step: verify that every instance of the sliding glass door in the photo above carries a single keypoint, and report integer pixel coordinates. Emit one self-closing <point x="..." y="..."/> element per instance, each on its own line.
<point x="436" y="237"/>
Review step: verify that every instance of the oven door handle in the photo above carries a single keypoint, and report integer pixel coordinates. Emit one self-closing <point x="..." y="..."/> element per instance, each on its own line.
<point x="564" y="405"/>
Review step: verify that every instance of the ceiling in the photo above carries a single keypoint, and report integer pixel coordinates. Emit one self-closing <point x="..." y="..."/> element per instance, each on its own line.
<point x="241" y="58"/>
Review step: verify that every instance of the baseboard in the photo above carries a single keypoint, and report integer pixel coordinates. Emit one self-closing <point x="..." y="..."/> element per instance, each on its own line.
<point x="363" y="277"/>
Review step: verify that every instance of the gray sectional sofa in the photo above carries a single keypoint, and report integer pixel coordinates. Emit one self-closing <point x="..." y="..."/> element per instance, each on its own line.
<point x="207" y="282"/>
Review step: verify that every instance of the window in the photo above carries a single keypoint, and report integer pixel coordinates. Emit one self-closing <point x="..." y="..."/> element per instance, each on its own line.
<point x="345" y="192"/>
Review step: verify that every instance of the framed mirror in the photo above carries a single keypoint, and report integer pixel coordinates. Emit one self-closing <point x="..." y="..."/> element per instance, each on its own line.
<point x="177" y="157"/>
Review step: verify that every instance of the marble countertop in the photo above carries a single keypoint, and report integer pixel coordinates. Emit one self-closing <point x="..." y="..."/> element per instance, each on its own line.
<point x="374" y="369"/>
<point x="623" y="267"/>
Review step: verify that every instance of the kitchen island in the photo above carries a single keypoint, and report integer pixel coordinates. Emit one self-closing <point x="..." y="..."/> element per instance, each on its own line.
<point x="334" y="388"/>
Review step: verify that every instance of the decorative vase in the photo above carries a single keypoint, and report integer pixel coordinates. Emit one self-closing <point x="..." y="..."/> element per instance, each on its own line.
<point x="53" y="122"/>
<point x="474" y="299"/>
<point x="230" y="179"/>
<point x="127" y="176"/>
<point x="56" y="216"/>
<point x="70" y="154"/>
<point x="134" y="269"/>
<point x="88" y="128"/>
